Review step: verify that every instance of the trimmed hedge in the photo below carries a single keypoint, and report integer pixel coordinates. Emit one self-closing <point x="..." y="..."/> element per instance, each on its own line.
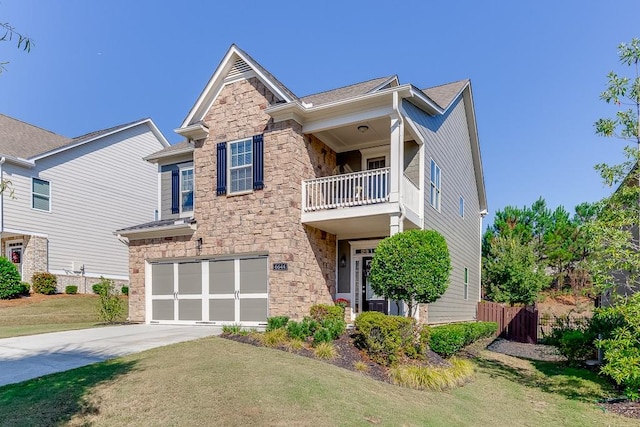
<point x="388" y="338"/>
<point x="44" y="283"/>
<point x="71" y="290"/>
<point x="321" y="312"/>
<point x="446" y="340"/>
<point x="124" y="290"/>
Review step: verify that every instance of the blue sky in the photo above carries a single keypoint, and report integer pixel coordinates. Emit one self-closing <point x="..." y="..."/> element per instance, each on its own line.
<point x="537" y="68"/>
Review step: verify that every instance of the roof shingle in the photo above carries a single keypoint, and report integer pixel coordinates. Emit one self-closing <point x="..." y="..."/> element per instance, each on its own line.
<point x="20" y="139"/>
<point x="344" y="92"/>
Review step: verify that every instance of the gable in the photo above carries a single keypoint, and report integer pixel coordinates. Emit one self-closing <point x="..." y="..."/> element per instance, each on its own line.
<point x="236" y="65"/>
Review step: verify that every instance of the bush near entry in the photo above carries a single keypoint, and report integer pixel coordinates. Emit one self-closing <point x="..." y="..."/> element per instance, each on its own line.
<point x="324" y="324"/>
<point x="10" y="285"/>
<point x="386" y="339"/>
<point x="44" y="283"/>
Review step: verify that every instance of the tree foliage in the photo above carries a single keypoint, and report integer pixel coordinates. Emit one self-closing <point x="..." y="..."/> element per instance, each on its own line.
<point x="615" y="253"/>
<point x="510" y="272"/>
<point x="412" y="266"/>
<point x="9" y="33"/>
<point x="557" y="239"/>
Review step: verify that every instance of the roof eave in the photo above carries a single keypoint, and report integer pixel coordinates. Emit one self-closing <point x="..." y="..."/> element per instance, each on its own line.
<point x="18" y="161"/>
<point x="184" y="229"/>
<point x="155" y="158"/>
<point x="193" y="132"/>
<point x="475" y="143"/>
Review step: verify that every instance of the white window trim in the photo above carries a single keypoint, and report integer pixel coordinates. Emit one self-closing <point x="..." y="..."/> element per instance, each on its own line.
<point x="229" y="167"/>
<point x="371" y="153"/>
<point x="465" y="289"/>
<point x="432" y="185"/>
<point x="32" y="193"/>
<point x="180" y="170"/>
<point x="461" y="207"/>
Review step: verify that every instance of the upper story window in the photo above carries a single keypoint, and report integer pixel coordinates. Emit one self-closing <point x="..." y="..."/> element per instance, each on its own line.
<point x="461" y="208"/>
<point x="244" y="171"/>
<point x="186" y="190"/>
<point x="436" y="188"/>
<point x="40" y="194"/>
<point x="241" y="167"/>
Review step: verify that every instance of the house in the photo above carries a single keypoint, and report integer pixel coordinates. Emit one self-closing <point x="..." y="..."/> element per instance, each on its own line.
<point x="67" y="195"/>
<point x="275" y="202"/>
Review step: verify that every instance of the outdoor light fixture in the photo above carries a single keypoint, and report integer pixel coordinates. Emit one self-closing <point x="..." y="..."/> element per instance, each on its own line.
<point x="199" y="244"/>
<point x="363" y="128"/>
<point x="343" y="261"/>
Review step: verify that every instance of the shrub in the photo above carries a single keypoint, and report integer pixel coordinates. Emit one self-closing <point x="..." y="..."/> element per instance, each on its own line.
<point x="71" y="290"/>
<point x="124" y="290"/>
<point x="295" y="344"/>
<point x="275" y="338"/>
<point x="26" y="288"/>
<point x="436" y="378"/>
<point x="10" y="285"/>
<point x="44" y="283"/>
<point x="412" y="266"/>
<point x="574" y="339"/>
<point x="110" y="308"/>
<point x="231" y="329"/>
<point x="386" y="338"/>
<point x="97" y="288"/>
<point x="276" y="322"/>
<point x="325" y="350"/>
<point x="321" y="312"/>
<point x="301" y="330"/>
<point x="322" y="335"/>
<point x="335" y="326"/>
<point x="361" y="366"/>
<point x="447" y="340"/>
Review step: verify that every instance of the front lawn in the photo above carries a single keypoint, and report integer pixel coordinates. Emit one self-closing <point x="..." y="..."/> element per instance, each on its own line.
<point x="214" y="381"/>
<point x="41" y="313"/>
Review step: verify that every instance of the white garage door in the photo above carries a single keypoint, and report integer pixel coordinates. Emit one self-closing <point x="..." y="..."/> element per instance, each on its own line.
<point x="228" y="291"/>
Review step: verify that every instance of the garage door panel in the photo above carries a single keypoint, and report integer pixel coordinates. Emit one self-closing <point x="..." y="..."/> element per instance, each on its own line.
<point x="253" y="310"/>
<point x="222" y="310"/>
<point x="221" y="277"/>
<point x="162" y="279"/>
<point x="253" y="276"/>
<point x="190" y="309"/>
<point x="163" y="310"/>
<point x="190" y="278"/>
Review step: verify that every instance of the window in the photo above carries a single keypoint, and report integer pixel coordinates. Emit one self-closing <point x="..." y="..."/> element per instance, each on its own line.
<point x="186" y="190"/>
<point x="461" y="211"/>
<point x="435" y="186"/>
<point x="241" y="167"/>
<point x="40" y="194"/>
<point x="466" y="283"/>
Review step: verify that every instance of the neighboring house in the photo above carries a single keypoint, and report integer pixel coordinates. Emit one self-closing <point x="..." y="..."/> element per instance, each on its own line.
<point x="275" y="202"/>
<point x="69" y="194"/>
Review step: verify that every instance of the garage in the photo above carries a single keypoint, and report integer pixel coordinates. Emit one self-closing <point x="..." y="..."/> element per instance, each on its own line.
<point x="212" y="291"/>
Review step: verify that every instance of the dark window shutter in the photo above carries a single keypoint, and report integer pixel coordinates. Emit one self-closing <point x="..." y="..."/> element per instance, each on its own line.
<point x="258" y="162"/>
<point x="222" y="169"/>
<point x="175" y="191"/>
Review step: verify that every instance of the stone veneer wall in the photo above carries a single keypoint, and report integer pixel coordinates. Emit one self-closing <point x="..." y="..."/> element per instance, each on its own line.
<point x="84" y="283"/>
<point x="34" y="254"/>
<point x="265" y="221"/>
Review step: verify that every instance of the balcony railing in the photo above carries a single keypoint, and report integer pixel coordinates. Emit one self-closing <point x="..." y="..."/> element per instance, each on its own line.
<point x="351" y="189"/>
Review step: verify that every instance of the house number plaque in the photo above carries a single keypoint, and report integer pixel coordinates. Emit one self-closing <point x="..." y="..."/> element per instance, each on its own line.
<point x="280" y="266"/>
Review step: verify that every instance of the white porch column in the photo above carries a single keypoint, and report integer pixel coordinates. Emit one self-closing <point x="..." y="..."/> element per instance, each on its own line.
<point x="395" y="225"/>
<point x="396" y="152"/>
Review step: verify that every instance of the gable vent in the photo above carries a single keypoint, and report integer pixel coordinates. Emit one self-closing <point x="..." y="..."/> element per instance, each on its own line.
<point x="238" y="68"/>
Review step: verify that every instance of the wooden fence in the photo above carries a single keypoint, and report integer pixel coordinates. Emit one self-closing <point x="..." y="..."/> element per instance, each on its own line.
<point x="514" y="323"/>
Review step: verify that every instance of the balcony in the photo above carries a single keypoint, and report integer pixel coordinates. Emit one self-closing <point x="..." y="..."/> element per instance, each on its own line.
<point x="333" y="203"/>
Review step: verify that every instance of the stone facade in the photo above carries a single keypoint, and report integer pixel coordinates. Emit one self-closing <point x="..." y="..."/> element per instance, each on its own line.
<point x="262" y="222"/>
<point x="84" y="283"/>
<point x="34" y="254"/>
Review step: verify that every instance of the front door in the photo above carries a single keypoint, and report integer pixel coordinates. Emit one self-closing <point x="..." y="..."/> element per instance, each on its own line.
<point x="372" y="302"/>
<point x="14" y="254"/>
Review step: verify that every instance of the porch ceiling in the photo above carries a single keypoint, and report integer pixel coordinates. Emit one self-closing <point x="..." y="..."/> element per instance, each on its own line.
<point x="348" y="137"/>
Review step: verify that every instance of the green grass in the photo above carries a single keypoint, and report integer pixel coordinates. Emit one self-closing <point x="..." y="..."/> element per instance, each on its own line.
<point x="214" y="381"/>
<point x="48" y="314"/>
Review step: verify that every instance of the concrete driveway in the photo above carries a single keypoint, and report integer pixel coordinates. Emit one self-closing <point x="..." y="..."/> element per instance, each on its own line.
<point x="23" y="358"/>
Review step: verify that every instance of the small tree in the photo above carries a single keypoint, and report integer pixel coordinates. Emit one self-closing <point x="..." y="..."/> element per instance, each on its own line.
<point x="510" y="272"/>
<point x="412" y="266"/>
<point x="110" y="308"/>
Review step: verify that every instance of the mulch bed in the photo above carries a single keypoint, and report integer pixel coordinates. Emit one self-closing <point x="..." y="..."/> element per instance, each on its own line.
<point x="348" y="356"/>
<point x="623" y="407"/>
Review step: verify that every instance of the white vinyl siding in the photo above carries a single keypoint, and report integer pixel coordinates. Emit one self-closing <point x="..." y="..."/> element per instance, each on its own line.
<point x="447" y="141"/>
<point x="99" y="187"/>
<point x="40" y="194"/>
<point x="241" y="166"/>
